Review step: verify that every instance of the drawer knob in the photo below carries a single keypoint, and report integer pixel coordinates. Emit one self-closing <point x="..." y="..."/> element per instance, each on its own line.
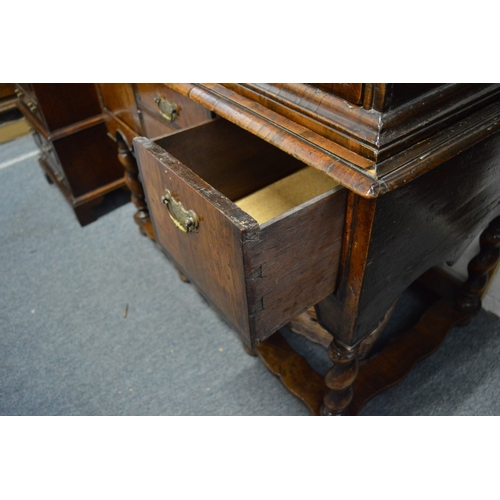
<point x="186" y="220"/>
<point x="169" y="110"/>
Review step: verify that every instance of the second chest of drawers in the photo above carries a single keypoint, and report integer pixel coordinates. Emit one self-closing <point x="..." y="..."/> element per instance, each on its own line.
<point x="75" y="151"/>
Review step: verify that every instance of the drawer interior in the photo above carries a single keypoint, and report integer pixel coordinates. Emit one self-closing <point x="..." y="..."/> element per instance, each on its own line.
<point x="264" y="251"/>
<point x="258" y="177"/>
<point x="286" y="194"/>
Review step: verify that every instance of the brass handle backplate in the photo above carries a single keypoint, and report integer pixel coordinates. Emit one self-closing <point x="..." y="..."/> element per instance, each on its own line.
<point x="169" y="110"/>
<point x="186" y="220"/>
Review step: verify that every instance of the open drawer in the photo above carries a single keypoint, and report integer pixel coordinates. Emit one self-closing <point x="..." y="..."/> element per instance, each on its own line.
<point x="257" y="231"/>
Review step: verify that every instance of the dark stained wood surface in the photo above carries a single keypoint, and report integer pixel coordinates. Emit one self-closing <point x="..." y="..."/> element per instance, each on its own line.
<point x="119" y="100"/>
<point x="7" y="90"/>
<point x="38" y="125"/>
<point x="63" y="105"/>
<point x="391" y="241"/>
<point x="76" y="152"/>
<point x="481" y="269"/>
<point x="89" y="160"/>
<point x="82" y="205"/>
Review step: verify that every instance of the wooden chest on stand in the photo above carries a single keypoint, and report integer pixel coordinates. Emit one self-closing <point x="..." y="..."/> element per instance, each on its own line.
<point x="332" y="196"/>
<point x="76" y="153"/>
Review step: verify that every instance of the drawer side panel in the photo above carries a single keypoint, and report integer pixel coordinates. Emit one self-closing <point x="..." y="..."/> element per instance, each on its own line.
<point x="295" y="264"/>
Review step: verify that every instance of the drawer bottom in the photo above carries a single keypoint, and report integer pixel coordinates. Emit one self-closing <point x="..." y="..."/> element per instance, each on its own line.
<point x="286" y="194"/>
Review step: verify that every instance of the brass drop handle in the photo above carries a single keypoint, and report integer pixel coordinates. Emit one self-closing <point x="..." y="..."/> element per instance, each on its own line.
<point x="186" y="220"/>
<point x="169" y="110"/>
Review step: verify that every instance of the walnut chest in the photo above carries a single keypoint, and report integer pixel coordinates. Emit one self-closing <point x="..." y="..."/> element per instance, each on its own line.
<point x="337" y="196"/>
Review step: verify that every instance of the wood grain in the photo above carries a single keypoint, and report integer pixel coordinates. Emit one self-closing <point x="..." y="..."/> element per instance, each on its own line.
<point x="76" y="152"/>
<point x="189" y="112"/>
<point x="393" y="240"/>
<point x="118" y="100"/>
<point x="379" y="373"/>
<point x="295" y="132"/>
<point x="259" y="277"/>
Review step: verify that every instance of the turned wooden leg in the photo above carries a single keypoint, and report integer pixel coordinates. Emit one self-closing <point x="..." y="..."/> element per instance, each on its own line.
<point x="480" y="270"/>
<point x="340" y="378"/>
<point x="129" y="163"/>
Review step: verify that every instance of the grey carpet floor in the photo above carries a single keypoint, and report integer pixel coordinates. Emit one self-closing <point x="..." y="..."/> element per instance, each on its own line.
<point x="66" y="347"/>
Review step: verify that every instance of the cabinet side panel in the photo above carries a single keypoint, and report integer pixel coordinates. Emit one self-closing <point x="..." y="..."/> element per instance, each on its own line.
<point x="431" y="220"/>
<point x="119" y="99"/>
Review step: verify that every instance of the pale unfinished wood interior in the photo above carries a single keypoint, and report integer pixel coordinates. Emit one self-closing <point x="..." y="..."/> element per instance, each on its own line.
<point x="285" y="194"/>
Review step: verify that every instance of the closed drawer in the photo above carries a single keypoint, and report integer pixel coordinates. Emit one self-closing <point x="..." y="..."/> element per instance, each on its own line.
<point x="258" y="274"/>
<point x="169" y="106"/>
<point x="153" y="126"/>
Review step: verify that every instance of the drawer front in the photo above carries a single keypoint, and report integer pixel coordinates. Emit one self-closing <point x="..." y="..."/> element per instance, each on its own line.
<point x="154" y="126"/>
<point x="169" y="106"/>
<point x="211" y="257"/>
<point x="258" y="277"/>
